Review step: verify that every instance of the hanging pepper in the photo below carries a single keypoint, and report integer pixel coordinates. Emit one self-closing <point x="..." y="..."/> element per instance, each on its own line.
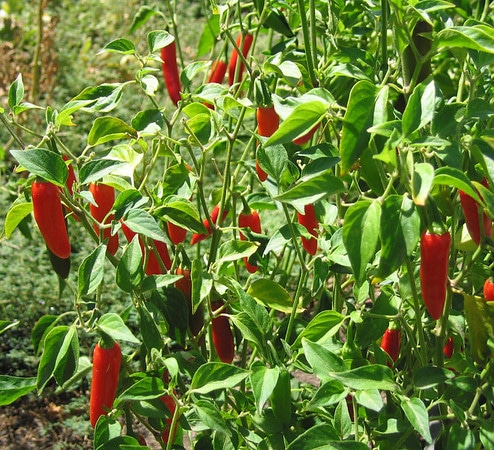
<point x="471" y="211"/>
<point x="434" y="254"/>
<point x="309" y="221"/>
<point x="391" y="342"/>
<point x="243" y="43"/>
<point x="104" y="196"/>
<point x="251" y="220"/>
<point x="170" y="72"/>
<point x="267" y="123"/>
<point x="222" y="335"/>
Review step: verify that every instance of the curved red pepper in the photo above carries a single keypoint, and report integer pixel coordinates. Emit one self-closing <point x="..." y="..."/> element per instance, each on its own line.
<point x="434" y="254"/>
<point x="197" y="237"/>
<point x="306" y="137"/>
<point x="106" y="367"/>
<point x="268" y="122"/>
<point x="48" y="214"/>
<point x="170" y="72"/>
<point x="252" y="221"/>
<point x="176" y="233"/>
<point x="104" y="196"/>
<point x="218" y="71"/>
<point x="243" y="43"/>
<point x="309" y="221"/>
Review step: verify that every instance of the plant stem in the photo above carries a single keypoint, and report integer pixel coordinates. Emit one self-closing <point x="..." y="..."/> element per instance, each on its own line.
<point x="307" y="41"/>
<point x="36" y="73"/>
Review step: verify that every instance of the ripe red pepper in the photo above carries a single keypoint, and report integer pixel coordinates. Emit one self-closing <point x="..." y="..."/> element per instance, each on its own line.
<point x="309" y="221"/>
<point x="218" y="71"/>
<point x="243" y="43"/>
<point x="104" y="196"/>
<point x="170" y="72"/>
<point x="267" y="123"/>
<point x="106" y="367"/>
<point x="391" y="342"/>
<point x="197" y="237"/>
<point x="71" y="178"/>
<point x="170" y="404"/>
<point x="306" y="137"/>
<point x="222" y="335"/>
<point x="252" y="221"/>
<point x="48" y="214"/>
<point x="434" y="254"/>
<point x="471" y="211"/>
<point x="153" y="266"/>
<point x="448" y="348"/>
<point x="184" y="285"/>
<point x="489" y="290"/>
<point x="175" y="233"/>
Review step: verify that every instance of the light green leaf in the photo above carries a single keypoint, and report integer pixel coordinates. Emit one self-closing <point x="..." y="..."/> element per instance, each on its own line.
<point x="214" y="376"/>
<point x="269" y="293"/>
<point x="416" y="413"/>
<point x="113" y="325"/>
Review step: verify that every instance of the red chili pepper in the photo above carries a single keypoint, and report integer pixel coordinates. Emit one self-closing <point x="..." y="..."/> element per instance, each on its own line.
<point x="267" y="123"/>
<point x="175" y="233"/>
<point x="48" y="214"/>
<point x="218" y="71"/>
<point x="306" y="137"/>
<point x="170" y="72"/>
<point x="197" y="237"/>
<point x="489" y="290"/>
<point x="449" y="347"/>
<point x="184" y="285"/>
<point x="71" y="178"/>
<point x="222" y="335"/>
<point x="252" y="221"/>
<point x="106" y="367"/>
<point x="104" y="196"/>
<point x="471" y="210"/>
<point x="434" y="254"/>
<point x="391" y="342"/>
<point x="309" y="221"/>
<point x="171" y="406"/>
<point x="243" y="43"/>
<point x="153" y="266"/>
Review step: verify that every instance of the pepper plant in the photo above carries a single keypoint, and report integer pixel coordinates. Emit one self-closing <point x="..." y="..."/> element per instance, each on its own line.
<point x="270" y="336"/>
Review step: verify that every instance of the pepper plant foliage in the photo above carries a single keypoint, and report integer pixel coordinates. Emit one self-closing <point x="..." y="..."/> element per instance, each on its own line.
<point x="399" y="98"/>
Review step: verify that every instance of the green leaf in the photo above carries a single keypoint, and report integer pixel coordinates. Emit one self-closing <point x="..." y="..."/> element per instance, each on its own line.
<point x="478" y="37"/>
<point x="420" y="108"/>
<point x="449" y="176"/>
<point x="324" y="363"/>
<point x="209" y="34"/>
<point x="318" y="437"/>
<point x="108" y="128"/>
<point x="213" y="376"/>
<point x="102" y="98"/>
<point x="16" y="92"/>
<point x="151" y="335"/>
<point x="416" y="413"/>
<point x="158" y="39"/>
<point x="91" y="271"/>
<point x="148" y="121"/>
<point x="41" y="329"/>
<point x="235" y="250"/>
<point x="183" y="213"/>
<point x="428" y="377"/>
<point x="312" y="189"/>
<point x="269" y="293"/>
<point x="97" y="169"/>
<point x="321" y="328"/>
<point x="374" y="376"/>
<point x="147" y="388"/>
<point x="361" y="235"/>
<point x="12" y="388"/>
<point x="400" y="232"/>
<point x="302" y="119"/>
<point x="273" y="160"/>
<point x="141" y="222"/>
<point x="141" y="18"/>
<point x="370" y="398"/>
<point x="330" y="393"/>
<point x="130" y="271"/>
<point x="480" y="319"/>
<point x="15" y="215"/>
<point x="263" y="380"/>
<point x="113" y="325"/>
<point x="44" y="163"/>
<point x="59" y="356"/>
<point x="358" y="118"/>
<point x="122" y="46"/>
<point x="7" y="325"/>
<point x="211" y="417"/>
<point x="422" y="179"/>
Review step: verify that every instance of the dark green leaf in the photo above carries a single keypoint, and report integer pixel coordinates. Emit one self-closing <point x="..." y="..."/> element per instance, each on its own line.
<point x="427" y="377"/>
<point x="374" y="376"/>
<point x="330" y="393"/>
<point x="12" y="388"/>
<point x="263" y="380"/>
<point x="324" y="363"/>
<point x="106" y="129"/>
<point x="420" y="108"/>
<point x="91" y="271"/>
<point x="97" y="169"/>
<point x="102" y="98"/>
<point x="44" y="163"/>
<point x="358" y="118"/>
<point x="143" y="223"/>
<point x="147" y="388"/>
<point x="148" y="121"/>
<point x="130" y="271"/>
<point x="211" y="416"/>
<point x="416" y="413"/>
<point x="159" y="39"/>
<point x="361" y="234"/>
<point x="215" y="375"/>
<point x="321" y="328"/>
<point x="318" y="437"/>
